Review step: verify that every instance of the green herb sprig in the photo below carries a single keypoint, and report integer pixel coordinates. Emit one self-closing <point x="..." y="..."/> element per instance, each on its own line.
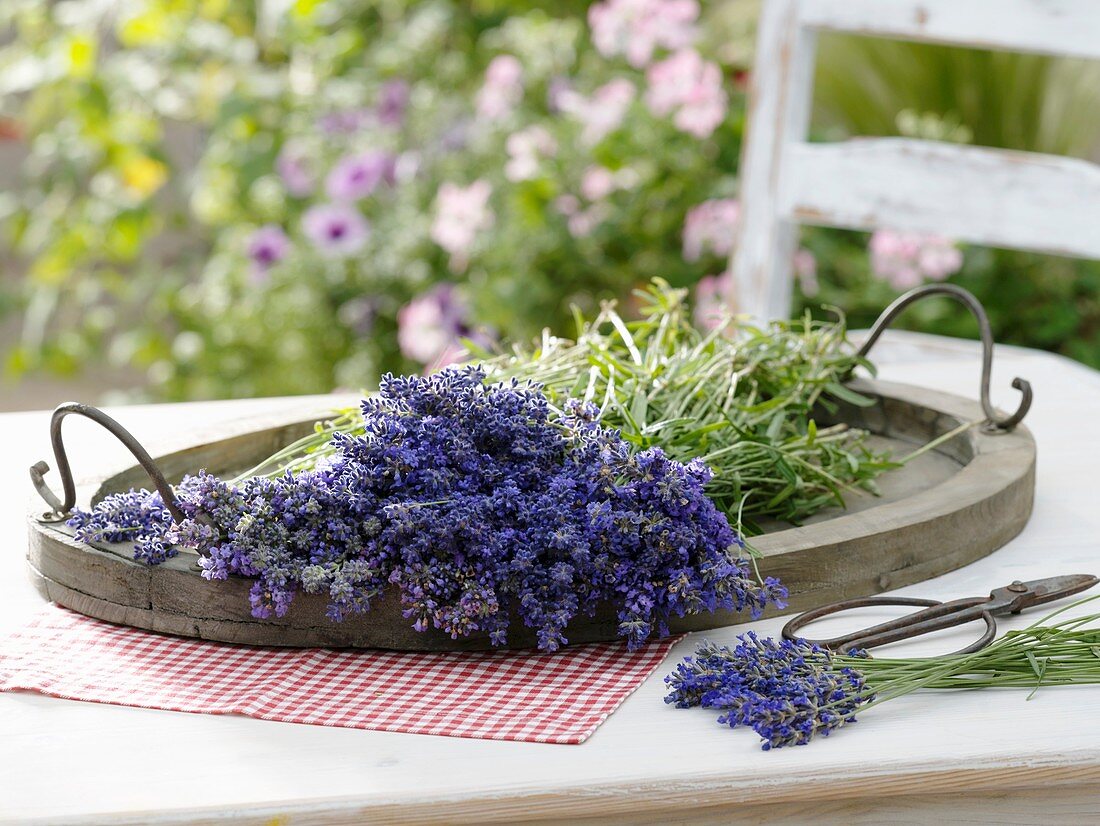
<point x="752" y="403"/>
<point x="745" y="400"/>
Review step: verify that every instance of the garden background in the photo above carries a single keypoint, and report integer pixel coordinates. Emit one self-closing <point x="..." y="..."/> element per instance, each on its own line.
<point x="214" y="199"/>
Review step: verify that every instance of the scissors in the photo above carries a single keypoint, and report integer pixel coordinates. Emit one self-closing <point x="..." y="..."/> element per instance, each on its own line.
<point x="1011" y="599"/>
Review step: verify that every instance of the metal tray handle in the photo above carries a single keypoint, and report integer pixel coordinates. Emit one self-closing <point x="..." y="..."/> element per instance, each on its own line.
<point x="993" y="422"/>
<point x="60" y="510"/>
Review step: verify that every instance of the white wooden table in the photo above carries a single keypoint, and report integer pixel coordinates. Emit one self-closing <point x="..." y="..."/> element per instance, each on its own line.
<point x="977" y="756"/>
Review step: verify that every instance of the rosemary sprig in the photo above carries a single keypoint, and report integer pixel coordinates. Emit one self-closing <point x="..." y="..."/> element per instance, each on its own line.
<point x="748" y="401"/>
<point x="752" y="403"/>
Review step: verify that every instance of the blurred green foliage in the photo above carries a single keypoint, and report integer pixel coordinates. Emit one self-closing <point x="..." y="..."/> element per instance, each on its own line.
<point x="152" y="131"/>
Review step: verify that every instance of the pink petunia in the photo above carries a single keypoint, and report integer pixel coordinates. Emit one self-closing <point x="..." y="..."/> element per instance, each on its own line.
<point x="711" y="227"/>
<point x="460" y="214"/>
<point x="711" y="303"/>
<point x="636" y="28"/>
<point x="430" y="328"/>
<point x="526" y="149"/>
<point x="907" y="259"/>
<point x="690" y="89"/>
<point x="267" y="246"/>
<point x="503" y="88"/>
<point x="336" y="230"/>
<point x="603" y="112"/>
<point x="296" y="169"/>
<point x="805" y="270"/>
<point x="357" y="176"/>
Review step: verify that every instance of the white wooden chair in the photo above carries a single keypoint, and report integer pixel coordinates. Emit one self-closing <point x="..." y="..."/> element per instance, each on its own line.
<point x="985" y="196"/>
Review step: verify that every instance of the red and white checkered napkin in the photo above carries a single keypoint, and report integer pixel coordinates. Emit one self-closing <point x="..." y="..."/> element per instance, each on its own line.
<point x="544" y="698"/>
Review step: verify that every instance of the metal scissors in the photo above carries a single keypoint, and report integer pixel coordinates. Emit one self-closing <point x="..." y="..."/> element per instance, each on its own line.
<point x="1011" y="599"/>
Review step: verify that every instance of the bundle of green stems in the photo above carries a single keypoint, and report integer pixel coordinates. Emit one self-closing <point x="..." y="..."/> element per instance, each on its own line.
<point x="755" y="404"/>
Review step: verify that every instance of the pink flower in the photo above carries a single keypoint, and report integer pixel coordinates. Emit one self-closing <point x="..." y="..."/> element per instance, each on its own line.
<point x="906" y="259"/>
<point x="336" y="230"/>
<point x="525" y="149"/>
<point x="295" y="168"/>
<point x="584" y="222"/>
<point x="636" y="28"/>
<point x="805" y="270"/>
<point x="711" y="227"/>
<point x="357" y="176"/>
<point x="690" y="89"/>
<point x="460" y="214"/>
<point x="431" y="326"/>
<point x="567" y="204"/>
<point x="601" y="114"/>
<point x="503" y="87"/>
<point x="711" y="304"/>
<point x="427" y="325"/>
<point x="597" y="183"/>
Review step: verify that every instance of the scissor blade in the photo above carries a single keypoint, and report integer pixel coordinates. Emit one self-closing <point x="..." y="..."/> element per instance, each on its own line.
<point x="1020" y="595"/>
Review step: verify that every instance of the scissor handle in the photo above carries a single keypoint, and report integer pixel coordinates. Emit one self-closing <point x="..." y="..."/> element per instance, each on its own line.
<point x="935" y="616"/>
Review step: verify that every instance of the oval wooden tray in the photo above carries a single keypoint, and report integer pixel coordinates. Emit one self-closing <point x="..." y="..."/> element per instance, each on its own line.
<point x="945" y="509"/>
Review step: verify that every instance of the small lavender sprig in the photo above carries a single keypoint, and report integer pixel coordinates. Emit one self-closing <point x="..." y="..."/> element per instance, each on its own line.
<point x="787" y="691"/>
<point x="790" y="692"/>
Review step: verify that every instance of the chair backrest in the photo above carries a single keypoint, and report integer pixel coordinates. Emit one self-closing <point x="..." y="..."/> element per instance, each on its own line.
<point x="993" y="197"/>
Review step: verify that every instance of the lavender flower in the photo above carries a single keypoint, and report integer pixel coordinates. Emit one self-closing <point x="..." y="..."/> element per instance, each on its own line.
<point x="788" y="692"/>
<point x="357" y="176"/>
<point x="336" y="230"/>
<point x="136" y="516"/>
<point x="478" y="504"/>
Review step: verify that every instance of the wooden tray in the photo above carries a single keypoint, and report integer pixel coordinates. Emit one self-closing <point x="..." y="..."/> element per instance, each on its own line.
<point x="944" y="509"/>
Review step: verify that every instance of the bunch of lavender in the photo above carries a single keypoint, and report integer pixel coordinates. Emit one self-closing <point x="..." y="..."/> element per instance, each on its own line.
<point x="790" y="692"/>
<point x="480" y="503"/>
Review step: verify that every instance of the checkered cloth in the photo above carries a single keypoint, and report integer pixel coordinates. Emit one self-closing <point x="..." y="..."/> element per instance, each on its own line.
<point x="528" y="696"/>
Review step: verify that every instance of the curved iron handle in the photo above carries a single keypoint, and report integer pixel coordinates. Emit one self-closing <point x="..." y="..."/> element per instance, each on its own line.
<point x="61" y="510"/>
<point x="993" y="422"/>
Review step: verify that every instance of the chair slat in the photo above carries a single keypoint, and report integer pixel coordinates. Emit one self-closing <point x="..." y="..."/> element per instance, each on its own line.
<point x="1058" y="27"/>
<point x="993" y="197"/>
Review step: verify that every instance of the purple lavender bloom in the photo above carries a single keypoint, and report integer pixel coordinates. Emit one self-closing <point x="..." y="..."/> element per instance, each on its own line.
<point x="479" y="504"/>
<point x="393" y="100"/>
<point x="295" y="168"/>
<point x="787" y="691"/>
<point x="266" y="247"/>
<point x="336" y="230"/>
<point x="357" y="176"/>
